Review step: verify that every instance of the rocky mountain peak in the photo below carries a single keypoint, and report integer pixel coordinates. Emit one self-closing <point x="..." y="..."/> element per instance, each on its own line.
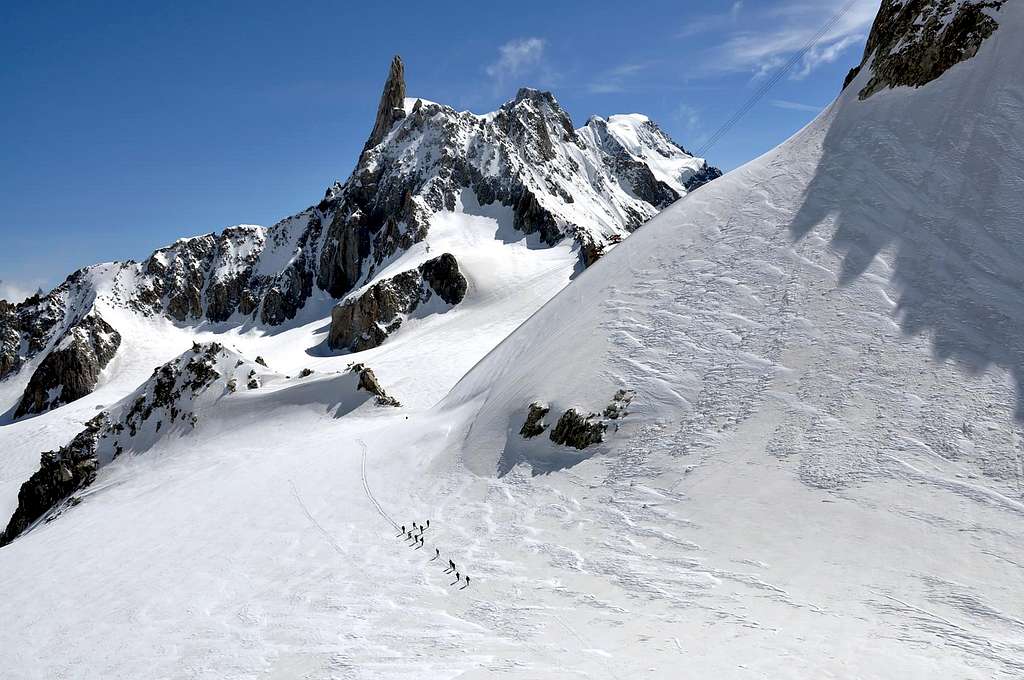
<point x="392" y="103"/>
<point x="593" y="185"/>
<point x="913" y="42"/>
<point x="536" y="121"/>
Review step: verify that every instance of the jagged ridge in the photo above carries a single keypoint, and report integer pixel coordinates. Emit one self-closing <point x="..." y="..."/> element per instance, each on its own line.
<point x="594" y="185"/>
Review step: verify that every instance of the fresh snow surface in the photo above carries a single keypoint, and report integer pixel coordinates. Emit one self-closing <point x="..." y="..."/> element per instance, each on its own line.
<point x="819" y="476"/>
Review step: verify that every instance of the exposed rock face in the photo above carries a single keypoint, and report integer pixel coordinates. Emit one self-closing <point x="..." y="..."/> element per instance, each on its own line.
<point x="27" y="327"/>
<point x="168" y="403"/>
<point x="704" y="175"/>
<point x="534" y="425"/>
<point x="392" y="103"/>
<point x="578" y="431"/>
<point x="71" y="369"/>
<point x="620" y="402"/>
<point x="594" y="185"/>
<point x="366" y="321"/>
<point x="173" y="386"/>
<point x="60" y="474"/>
<point x="573" y="428"/>
<point x="368" y="382"/>
<point x="444" y="278"/>
<point x="168" y="399"/>
<point x="913" y="42"/>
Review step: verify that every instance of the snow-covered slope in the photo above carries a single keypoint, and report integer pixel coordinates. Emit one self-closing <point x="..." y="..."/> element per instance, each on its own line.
<point x="170" y="405"/>
<point x="804" y="378"/>
<point x="517" y="197"/>
<point x="826" y="352"/>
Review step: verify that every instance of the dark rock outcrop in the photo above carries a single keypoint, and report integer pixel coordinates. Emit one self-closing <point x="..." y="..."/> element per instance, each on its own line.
<point x="706" y="174"/>
<point x="534" y="424"/>
<point x="171" y="386"/>
<point x="913" y="42"/>
<point x="60" y="474"/>
<point x="391" y="108"/>
<point x="368" y="383"/>
<point x="575" y="429"/>
<point x="620" y="402"/>
<point x="578" y="431"/>
<point x="366" y="321"/>
<point x="72" y="367"/>
<point x="444" y="278"/>
<point x="27" y="327"/>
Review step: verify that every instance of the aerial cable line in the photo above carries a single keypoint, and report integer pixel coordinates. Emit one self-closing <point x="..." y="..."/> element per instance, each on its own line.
<point x="774" y="80"/>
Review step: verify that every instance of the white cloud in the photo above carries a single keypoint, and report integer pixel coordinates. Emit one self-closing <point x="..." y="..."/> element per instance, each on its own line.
<point x="13" y="292"/>
<point x="516" y="58"/>
<point x="618" y="78"/>
<point x="737" y="7"/>
<point x="795" y="23"/>
<point x="825" y="54"/>
<point x="688" y="117"/>
<point x="794" y="106"/>
<point x="706" y="24"/>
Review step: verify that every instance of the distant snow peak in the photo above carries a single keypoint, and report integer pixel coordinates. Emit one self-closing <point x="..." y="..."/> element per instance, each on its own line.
<point x="552" y="182"/>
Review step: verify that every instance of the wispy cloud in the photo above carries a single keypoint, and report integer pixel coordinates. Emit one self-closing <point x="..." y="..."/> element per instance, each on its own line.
<point x="15" y="292"/>
<point x="794" y="106"/>
<point x="711" y="22"/>
<point x="760" y="52"/>
<point x="516" y="60"/>
<point x="825" y="54"/>
<point x="688" y="117"/>
<point x="618" y="78"/>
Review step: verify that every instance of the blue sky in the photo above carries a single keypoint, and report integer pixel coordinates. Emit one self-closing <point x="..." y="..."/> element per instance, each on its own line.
<point x="126" y="125"/>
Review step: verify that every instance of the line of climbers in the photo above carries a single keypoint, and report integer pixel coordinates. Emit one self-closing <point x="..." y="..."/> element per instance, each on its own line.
<point x="414" y="538"/>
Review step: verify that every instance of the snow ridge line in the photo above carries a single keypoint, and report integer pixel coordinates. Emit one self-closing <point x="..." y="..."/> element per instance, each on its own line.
<point x="366" y="488"/>
<point x="309" y="515"/>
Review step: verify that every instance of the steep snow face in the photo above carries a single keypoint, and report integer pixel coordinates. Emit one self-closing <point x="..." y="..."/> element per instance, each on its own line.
<point x="827" y="358"/>
<point x="875" y="219"/>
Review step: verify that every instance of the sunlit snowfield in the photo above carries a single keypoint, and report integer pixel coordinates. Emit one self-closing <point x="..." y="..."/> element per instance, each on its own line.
<point x="820" y="474"/>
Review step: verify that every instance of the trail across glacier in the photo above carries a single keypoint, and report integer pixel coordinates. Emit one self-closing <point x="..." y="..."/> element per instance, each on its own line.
<point x="366" y="486"/>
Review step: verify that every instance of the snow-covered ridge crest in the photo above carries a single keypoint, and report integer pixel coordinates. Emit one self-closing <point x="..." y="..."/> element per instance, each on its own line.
<point x="166" y="403"/>
<point x="593" y="185"/>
